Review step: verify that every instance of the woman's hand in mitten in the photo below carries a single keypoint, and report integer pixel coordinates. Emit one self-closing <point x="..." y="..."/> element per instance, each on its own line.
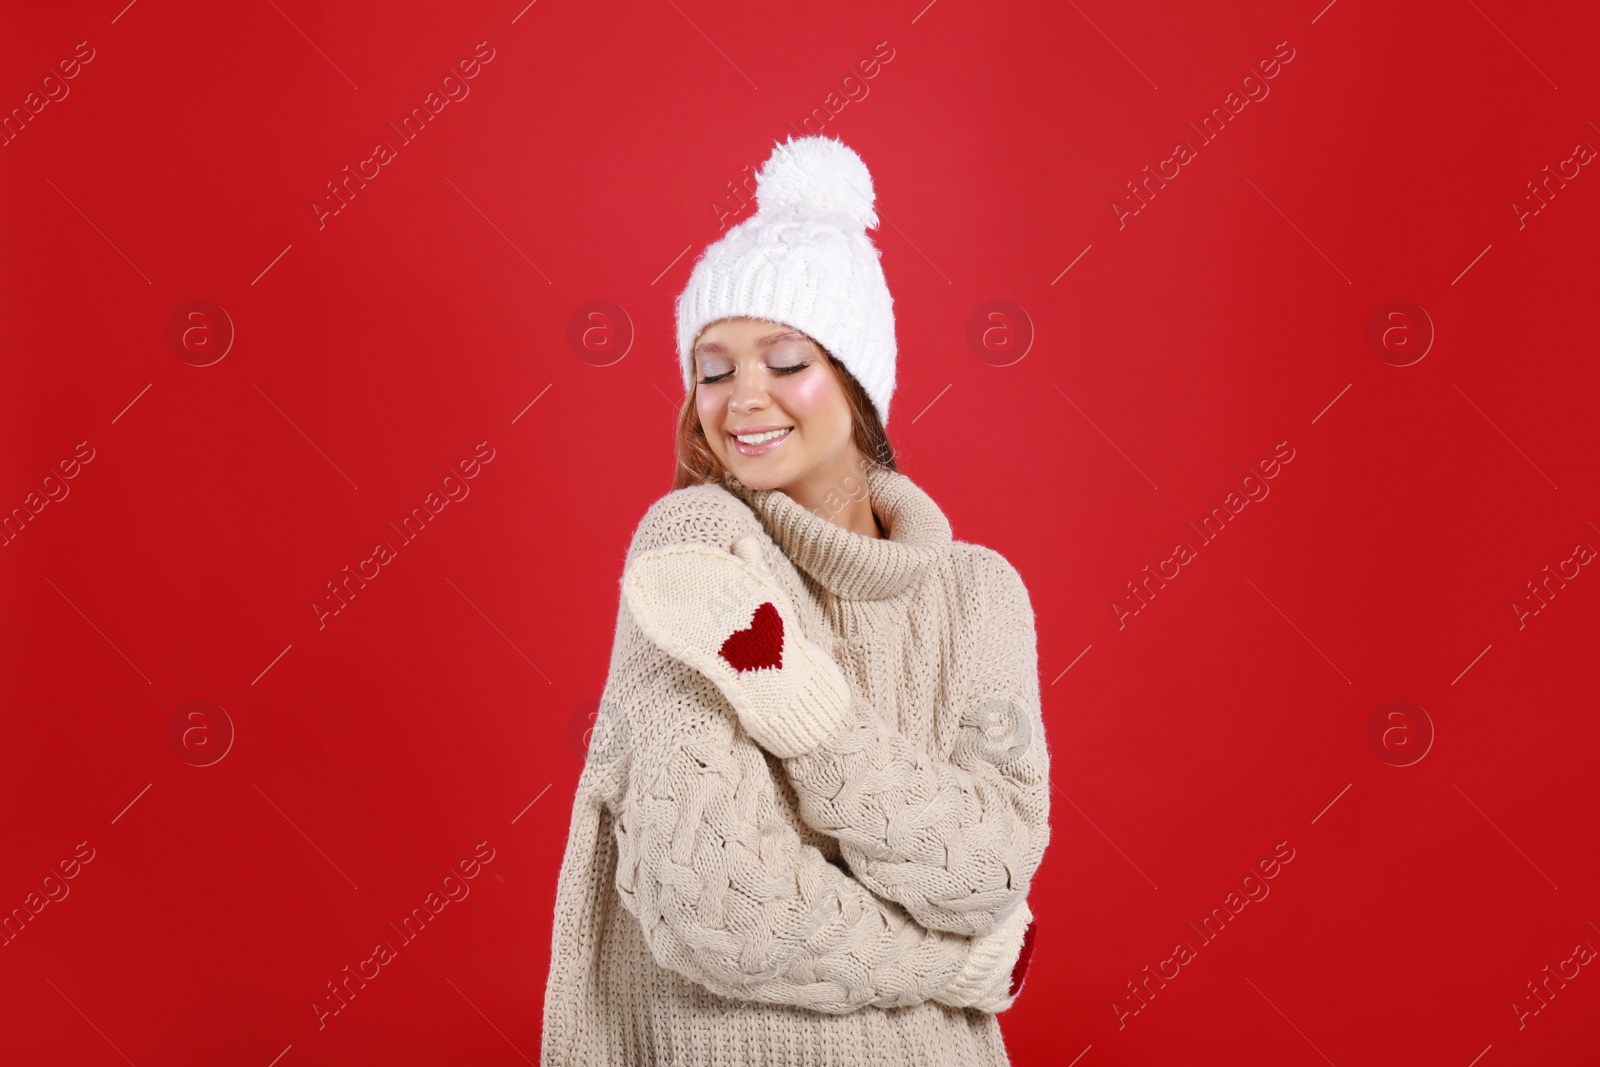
<point x="994" y="972"/>
<point x="724" y="614"/>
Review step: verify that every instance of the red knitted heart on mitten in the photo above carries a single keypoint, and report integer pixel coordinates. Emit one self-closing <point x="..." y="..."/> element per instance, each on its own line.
<point x="1021" y="968"/>
<point x="758" y="645"/>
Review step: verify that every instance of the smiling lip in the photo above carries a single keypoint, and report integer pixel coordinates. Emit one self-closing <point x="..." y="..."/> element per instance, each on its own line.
<point x="764" y="447"/>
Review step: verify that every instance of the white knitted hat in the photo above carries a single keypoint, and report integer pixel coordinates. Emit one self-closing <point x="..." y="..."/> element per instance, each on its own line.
<point x="803" y="259"/>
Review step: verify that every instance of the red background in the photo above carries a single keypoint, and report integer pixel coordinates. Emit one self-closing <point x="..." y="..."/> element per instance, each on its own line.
<point x="444" y="705"/>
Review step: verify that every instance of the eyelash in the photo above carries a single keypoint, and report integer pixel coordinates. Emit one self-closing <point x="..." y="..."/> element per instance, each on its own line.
<point x="776" y="370"/>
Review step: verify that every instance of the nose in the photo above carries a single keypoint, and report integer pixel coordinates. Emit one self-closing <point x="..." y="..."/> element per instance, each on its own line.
<point x="749" y="391"/>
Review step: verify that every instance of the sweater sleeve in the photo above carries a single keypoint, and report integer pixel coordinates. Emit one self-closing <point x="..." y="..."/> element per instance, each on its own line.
<point x="954" y="841"/>
<point x="725" y="891"/>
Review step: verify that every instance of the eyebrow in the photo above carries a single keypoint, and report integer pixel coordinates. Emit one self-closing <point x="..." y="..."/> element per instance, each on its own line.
<point x="717" y="348"/>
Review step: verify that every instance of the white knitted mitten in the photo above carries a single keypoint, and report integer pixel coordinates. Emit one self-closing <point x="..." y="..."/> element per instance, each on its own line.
<point x="724" y="614"/>
<point x="994" y="971"/>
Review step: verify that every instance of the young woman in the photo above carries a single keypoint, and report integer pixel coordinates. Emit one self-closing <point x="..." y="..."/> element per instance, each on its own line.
<point x="818" y="788"/>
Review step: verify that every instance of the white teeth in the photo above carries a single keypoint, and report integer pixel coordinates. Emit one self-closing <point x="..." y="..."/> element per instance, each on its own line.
<point x="758" y="438"/>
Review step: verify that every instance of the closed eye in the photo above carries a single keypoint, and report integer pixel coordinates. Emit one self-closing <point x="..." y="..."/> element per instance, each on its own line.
<point x="776" y="370"/>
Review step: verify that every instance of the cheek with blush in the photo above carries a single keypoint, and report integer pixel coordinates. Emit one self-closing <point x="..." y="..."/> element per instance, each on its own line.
<point x="811" y="397"/>
<point x="710" y="414"/>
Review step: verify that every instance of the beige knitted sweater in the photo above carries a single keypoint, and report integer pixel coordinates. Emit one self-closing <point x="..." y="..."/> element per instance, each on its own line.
<point x="718" y="905"/>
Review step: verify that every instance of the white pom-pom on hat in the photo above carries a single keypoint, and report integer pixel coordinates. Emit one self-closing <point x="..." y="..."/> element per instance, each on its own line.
<point x="803" y="259"/>
<point x="818" y="174"/>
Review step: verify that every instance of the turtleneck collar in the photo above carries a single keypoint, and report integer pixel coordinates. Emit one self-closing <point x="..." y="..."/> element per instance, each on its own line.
<point x="854" y="566"/>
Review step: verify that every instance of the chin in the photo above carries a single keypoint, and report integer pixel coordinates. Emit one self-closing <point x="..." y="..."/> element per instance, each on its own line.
<point x="755" y="477"/>
<point x="757" y="481"/>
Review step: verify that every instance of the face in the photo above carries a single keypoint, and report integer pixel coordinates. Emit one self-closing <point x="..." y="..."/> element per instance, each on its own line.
<point x="753" y="375"/>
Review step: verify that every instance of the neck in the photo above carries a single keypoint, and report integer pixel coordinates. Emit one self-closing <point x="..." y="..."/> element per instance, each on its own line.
<point x="841" y="499"/>
<point x="856" y="564"/>
<point x="848" y="512"/>
<point x="855" y="515"/>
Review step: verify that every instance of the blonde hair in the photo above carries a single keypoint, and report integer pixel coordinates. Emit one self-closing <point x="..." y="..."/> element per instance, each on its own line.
<point x="697" y="464"/>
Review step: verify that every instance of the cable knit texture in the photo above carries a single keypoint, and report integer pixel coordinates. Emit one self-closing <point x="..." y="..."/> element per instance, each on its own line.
<point x="860" y="899"/>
